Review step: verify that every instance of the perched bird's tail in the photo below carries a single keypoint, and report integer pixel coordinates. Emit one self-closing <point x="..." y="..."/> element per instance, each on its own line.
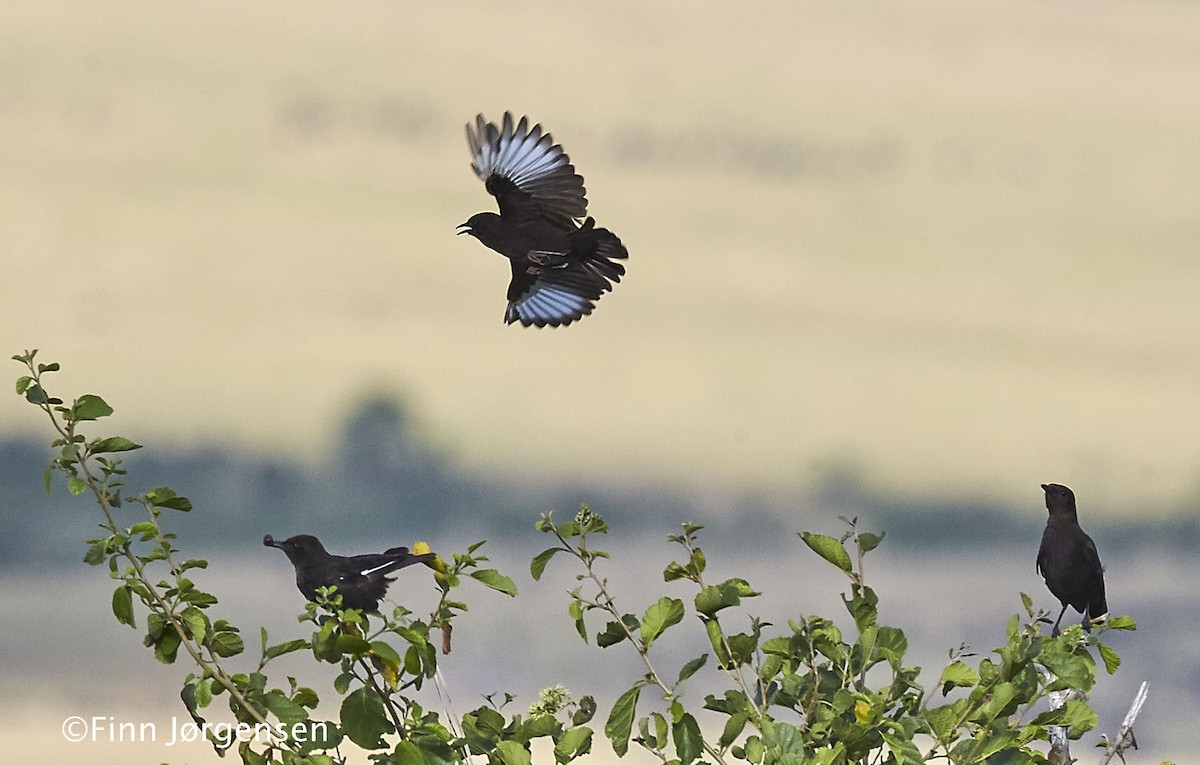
<point x="398" y="558"/>
<point x="1097" y="610"/>
<point x="596" y="249"/>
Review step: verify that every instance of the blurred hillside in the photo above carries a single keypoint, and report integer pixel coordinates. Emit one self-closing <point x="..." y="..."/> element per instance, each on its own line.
<point x="384" y="479"/>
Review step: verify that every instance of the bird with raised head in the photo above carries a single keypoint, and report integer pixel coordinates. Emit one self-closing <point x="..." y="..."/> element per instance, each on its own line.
<point x="1068" y="561"/>
<point x="362" y="580"/>
<point x="561" y="262"/>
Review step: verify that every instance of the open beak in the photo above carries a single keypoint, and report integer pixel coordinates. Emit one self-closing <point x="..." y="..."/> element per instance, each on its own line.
<point x="464" y="228"/>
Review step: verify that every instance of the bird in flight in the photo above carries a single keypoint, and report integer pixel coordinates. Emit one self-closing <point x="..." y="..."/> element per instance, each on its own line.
<point x="561" y="262"/>
<point x="361" y="580"/>
<point x="1068" y="561"/>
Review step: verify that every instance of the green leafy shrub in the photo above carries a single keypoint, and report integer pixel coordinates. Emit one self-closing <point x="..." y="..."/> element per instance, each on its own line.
<point x="807" y="694"/>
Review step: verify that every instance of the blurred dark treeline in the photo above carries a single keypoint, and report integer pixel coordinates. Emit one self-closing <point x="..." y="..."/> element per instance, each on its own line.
<point x="383" y="484"/>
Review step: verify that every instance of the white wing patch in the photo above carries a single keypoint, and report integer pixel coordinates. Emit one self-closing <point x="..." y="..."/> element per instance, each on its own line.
<point x="522" y="157"/>
<point x="549" y="304"/>
<point x="369" y="571"/>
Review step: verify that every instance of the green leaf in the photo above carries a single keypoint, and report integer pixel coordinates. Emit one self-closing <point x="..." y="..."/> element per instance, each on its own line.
<point x="614" y="633"/>
<point x="892" y="645"/>
<point x="97" y="552"/>
<point x="364" y="719"/>
<point x="716" y="597"/>
<point x="166" y="647"/>
<point x="1000" y="703"/>
<point x="497" y="581"/>
<point x="197" y="623"/>
<point x="1079" y="717"/>
<point x="407" y="753"/>
<point x="122" y="605"/>
<point x="114" y="444"/>
<point x="944" y="719"/>
<point x="203" y="693"/>
<point x="1071" y="664"/>
<point x="733" y="728"/>
<point x="226" y="644"/>
<point x="51" y="367"/>
<point x="716" y="638"/>
<point x="784" y="742"/>
<point x="904" y="751"/>
<point x="656" y="739"/>
<point x="513" y="753"/>
<point x="575" y="610"/>
<point x="1111" y="660"/>
<point x="587" y="709"/>
<point x="688" y="741"/>
<point x="89" y="407"/>
<point x="620" y="720"/>
<point x="828" y="548"/>
<point x="288" y="711"/>
<point x="673" y="572"/>
<point x="316" y="735"/>
<point x="573" y="743"/>
<point x="690" y="668"/>
<point x="35" y="395"/>
<point x="249" y="756"/>
<point x="869" y="541"/>
<point x="352" y="644"/>
<point x="667" y="612"/>
<point x="384" y="651"/>
<point x="146" y="528"/>
<point x="76" y="485"/>
<point x="282" y="648"/>
<point x="164" y="496"/>
<point x="1121" y="623"/>
<point x="188" y="694"/>
<point x="755" y="751"/>
<point x="23" y="384"/>
<point x="538" y="564"/>
<point x="957" y="675"/>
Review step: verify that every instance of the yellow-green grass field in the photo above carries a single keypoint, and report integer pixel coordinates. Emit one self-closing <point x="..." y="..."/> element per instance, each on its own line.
<point x="953" y="245"/>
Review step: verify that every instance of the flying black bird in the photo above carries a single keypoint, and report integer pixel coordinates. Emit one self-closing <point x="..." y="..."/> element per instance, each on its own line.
<point x="560" y="266"/>
<point x="360" y="579"/>
<point x="1068" y="561"/>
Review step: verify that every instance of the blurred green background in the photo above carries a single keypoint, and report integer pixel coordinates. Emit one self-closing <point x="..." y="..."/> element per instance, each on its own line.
<point x="899" y="261"/>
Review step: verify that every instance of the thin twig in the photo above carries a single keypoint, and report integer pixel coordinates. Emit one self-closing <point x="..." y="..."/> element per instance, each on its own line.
<point x="100" y="493"/>
<point x="1124" y="738"/>
<point x="1060" y="744"/>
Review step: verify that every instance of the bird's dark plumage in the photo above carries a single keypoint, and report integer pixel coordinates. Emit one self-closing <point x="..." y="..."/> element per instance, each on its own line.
<point x="561" y="263"/>
<point x="1068" y="561"/>
<point x="362" y="580"/>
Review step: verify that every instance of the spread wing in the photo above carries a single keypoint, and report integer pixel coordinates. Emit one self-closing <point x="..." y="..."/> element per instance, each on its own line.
<point x="550" y="288"/>
<point x="530" y="175"/>
<point x="556" y="296"/>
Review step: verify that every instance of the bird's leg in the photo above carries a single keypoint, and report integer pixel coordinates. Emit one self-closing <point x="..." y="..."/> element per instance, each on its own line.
<point x="1087" y="621"/>
<point x="1054" y="632"/>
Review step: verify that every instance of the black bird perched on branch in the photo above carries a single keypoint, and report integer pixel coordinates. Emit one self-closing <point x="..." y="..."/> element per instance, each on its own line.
<point x="560" y="266"/>
<point x="1068" y="561"/>
<point x="361" y="580"/>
